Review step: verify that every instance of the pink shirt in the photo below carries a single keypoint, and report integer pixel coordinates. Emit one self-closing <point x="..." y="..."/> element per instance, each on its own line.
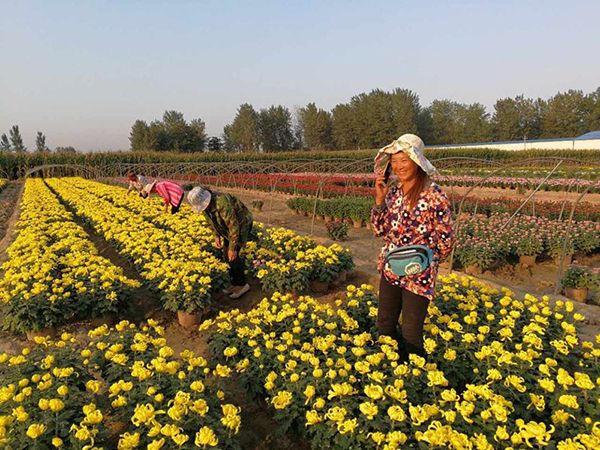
<point x="170" y="192"/>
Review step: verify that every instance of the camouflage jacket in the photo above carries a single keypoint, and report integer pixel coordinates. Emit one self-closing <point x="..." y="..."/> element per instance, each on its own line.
<point x="230" y="219"/>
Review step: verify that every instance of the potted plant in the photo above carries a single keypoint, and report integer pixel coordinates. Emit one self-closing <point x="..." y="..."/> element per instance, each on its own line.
<point x="257" y="205"/>
<point x="337" y="230"/>
<point x="555" y="249"/>
<point x="528" y="248"/>
<point x="577" y="282"/>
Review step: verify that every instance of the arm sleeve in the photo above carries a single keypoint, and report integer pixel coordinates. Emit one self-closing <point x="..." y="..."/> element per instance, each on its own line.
<point x="443" y="229"/>
<point x="227" y="213"/>
<point x="379" y="220"/>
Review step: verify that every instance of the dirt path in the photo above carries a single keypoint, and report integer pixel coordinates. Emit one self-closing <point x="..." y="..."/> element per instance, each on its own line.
<point x="10" y="202"/>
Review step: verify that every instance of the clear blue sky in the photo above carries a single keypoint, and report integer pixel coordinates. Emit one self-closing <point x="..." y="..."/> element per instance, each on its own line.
<point x="83" y="71"/>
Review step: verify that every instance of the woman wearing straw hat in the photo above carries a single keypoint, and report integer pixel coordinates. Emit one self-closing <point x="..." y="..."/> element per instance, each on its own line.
<point x="171" y="193"/>
<point x="414" y="218"/>
<point x="231" y="222"/>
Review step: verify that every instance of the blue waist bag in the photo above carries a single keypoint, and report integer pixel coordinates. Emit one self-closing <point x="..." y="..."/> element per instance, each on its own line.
<point x="409" y="260"/>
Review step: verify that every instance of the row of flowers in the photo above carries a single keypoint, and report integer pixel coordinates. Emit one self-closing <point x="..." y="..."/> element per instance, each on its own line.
<point x="119" y="388"/>
<point x="488" y="241"/>
<point x="54" y="274"/>
<point x="359" y="208"/>
<point x="175" y="253"/>
<point x="500" y="372"/>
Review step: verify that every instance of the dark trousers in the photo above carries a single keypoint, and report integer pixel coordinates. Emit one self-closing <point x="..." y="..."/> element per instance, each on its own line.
<point x="236" y="267"/>
<point x="393" y="301"/>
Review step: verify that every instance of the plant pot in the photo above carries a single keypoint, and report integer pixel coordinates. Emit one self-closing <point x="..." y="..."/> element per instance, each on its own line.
<point x="256" y="209"/>
<point x="566" y="261"/>
<point x="305" y="213"/>
<point x="297" y="212"/>
<point x="187" y="320"/>
<point x="328" y="218"/>
<point x="577" y="294"/>
<point x="322" y="217"/>
<point x="473" y="270"/>
<point x="49" y="331"/>
<point x="527" y="260"/>
<point x="357" y="223"/>
<point x="318" y="287"/>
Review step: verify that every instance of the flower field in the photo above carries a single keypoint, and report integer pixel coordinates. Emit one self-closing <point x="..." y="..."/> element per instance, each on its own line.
<point x="501" y="371"/>
<point x="524" y="379"/>
<point x="54" y="275"/>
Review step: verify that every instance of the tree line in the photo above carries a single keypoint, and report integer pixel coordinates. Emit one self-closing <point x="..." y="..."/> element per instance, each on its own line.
<point x="373" y="119"/>
<point x="14" y="143"/>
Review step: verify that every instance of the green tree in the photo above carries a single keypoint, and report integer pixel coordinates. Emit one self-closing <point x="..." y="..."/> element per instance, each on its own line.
<point x="214" y="144"/>
<point x="444" y="120"/>
<point x="40" y="142"/>
<point x="342" y="127"/>
<point x="593" y="122"/>
<point x="275" y="128"/>
<point x="473" y="124"/>
<point x="566" y="115"/>
<point x="67" y="149"/>
<point x="16" y="139"/>
<point x="518" y="118"/>
<point x="138" y="138"/>
<point x="425" y="125"/>
<point x="316" y="127"/>
<point x="242" y="134"/>
<point x="196" y="136"/>
<point x="4" y="143"/>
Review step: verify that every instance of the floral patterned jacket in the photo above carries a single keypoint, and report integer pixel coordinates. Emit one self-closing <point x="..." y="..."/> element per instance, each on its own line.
<point x="429" y="224"/>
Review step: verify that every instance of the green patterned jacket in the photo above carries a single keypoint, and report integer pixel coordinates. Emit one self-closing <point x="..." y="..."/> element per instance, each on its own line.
<point x="230" y="219"/>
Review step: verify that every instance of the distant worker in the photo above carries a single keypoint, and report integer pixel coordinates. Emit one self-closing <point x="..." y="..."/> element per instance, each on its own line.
<point x="170" y="192"/>
<point x="136" y="182"/>
<point x="231" y="222"/>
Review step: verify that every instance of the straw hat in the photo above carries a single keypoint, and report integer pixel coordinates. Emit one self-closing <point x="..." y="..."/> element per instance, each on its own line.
<point x="148" y="188"/>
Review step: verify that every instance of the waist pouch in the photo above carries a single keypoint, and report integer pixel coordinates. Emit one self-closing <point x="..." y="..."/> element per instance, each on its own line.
<point x="409" y="260"/>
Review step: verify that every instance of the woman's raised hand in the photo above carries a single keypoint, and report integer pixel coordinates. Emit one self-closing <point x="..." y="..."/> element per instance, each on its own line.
<point x="381" y="189"/>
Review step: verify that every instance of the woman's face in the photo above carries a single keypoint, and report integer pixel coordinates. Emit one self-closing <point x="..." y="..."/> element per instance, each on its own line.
<point x="404" y="167"/>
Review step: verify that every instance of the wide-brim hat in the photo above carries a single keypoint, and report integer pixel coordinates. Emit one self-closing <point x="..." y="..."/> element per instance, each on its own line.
<point x="199" y="198"/>
<point x="410" y="144"/>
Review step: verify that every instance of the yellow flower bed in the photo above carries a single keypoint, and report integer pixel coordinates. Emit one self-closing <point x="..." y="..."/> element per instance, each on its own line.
<point x="182" y="266"/>
<point x="175" y="253"/>
<point x="54" y="274"/>
<point x="126" y="386"/>
<point x="501" y="372"/>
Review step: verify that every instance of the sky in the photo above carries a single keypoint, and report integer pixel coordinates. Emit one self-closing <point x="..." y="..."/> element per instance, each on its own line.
<point x="83" y="71"/>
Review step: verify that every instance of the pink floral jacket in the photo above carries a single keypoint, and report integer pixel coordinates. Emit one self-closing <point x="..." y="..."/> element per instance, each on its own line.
<point x="429" y="224"/>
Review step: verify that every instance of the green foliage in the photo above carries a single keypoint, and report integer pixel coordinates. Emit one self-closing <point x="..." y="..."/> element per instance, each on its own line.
<point x="172" y="134"/>
<point x="40" y="142"/>
<point x="316" y="126"/>
<point x="16" y="140"/>
<point x="4" y="143"/>
<point x="577" y="277"/>
<point x="529" y="245"/>
<point x="337" y="230"/>
<point x="275" y="129"/>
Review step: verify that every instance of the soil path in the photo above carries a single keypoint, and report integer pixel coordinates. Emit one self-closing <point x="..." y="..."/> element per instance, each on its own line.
<point x="10" y="201"/>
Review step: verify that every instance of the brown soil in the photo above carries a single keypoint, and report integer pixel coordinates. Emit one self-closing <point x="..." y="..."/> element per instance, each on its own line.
<point x="10" y="204"/>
